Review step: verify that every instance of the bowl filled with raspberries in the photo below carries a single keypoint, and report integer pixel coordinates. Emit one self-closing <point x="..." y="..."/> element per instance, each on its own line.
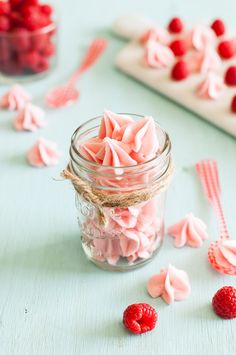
<point x="28" y="34"/>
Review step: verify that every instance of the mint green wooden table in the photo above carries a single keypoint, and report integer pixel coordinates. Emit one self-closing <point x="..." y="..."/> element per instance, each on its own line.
<point x="52" y="300"/>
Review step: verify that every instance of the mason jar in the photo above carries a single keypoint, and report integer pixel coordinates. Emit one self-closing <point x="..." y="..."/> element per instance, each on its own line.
<point x="120" y="209"/>
<point x="27" y="55"/>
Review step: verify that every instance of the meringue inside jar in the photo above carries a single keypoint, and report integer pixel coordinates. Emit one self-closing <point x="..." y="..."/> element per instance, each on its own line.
<point x="107" y="154"/>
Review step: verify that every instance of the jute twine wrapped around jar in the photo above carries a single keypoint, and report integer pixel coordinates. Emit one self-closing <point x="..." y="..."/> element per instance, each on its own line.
<point x="102" y="199"/>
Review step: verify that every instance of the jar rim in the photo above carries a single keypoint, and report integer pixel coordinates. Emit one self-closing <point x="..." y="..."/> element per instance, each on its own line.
<point x="42" y="30"/>
<point x="164" y="152"/>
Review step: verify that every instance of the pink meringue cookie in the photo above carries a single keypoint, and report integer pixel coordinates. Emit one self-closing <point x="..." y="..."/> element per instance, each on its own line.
<point x="157" y="55"/>
<point x="114" y="153"/>
<point x="112" y="123"/>
<point x="204" y="61"/>
<point x="188" y="231"/>
<point x="107" y="249"/>
<point x="157" y="34"/>
<point x="171" y="284"/>
<point x="90" y="148"/>
<point x="226" y="253"/>
<point x="15" y="98"/>
<point x="211" y="87"/>
<point x="142" y="138"/>
<point x="43" y="153"/>
<point x="201" y="36"/>
<point x="29" y="118"/>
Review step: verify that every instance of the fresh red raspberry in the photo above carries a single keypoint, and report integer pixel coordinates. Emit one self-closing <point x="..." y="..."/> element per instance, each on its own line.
<point x="4" y="23"/>
<point x="30" y="2"/>
<point x="21" y="41"/>
<point x="29" y="60"/>
<point x="16" y="3"/>
<point x="233" y="104"/>
<point x="218" y="27"/>
<point x="178" y="47"/>
<point x="42" y="65"/>
<point x="139" y="318"/>
<point x="180" y="71"/>
<point x="28" y="10"/>
<point x="224" y="302"/>
<point x="16" y="19"/>
<point x="226" y="49"/>
<point x="175" y="25"/>
<point x="5" y="51"/>
<point x="46" y="9"/>
<point x="5" y="8"/>
<point x="32" y="22"/>
<point x="230" y="76"/>
<point x="48" y="50"/>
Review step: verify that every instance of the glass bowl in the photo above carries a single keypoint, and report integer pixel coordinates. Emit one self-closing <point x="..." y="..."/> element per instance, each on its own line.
<point x="25" y="55"/>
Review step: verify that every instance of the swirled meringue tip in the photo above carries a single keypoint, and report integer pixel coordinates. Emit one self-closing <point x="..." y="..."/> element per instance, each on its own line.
<point x="188" y="231"/>
<point x="158" y="34"/>
<point x="211" y="87"/>
<point x="157" y="55"/>
<point x="112" y="124"/>
<point x="226" y="253"/>
<point x="204" y="61"/>
<point x="122" y="141"/>
<point x="43" y="153"/>
<point x="200" y="37"/>
<point x="15" y="98"/>
<point x="29" y="118"/>
<point x="170" y="283"/>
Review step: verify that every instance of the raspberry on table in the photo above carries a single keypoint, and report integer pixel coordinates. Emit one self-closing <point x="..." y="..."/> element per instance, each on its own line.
<point x="139" y="318"/>
<point x="224" y="302"/>
<point x="230" y="76"/>
<point x="180" y="71"/>
<point x="226" y="49"/>
<point x="178" y="47"/>
<point x="175" y="25"/>
<point x="218" y="27"/>
<point x="233" y="104"/>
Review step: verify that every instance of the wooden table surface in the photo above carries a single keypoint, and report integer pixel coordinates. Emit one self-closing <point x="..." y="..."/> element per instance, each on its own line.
<point x="54" y="301"/>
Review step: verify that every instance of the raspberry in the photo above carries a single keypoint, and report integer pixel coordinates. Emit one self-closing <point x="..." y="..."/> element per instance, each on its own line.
<point x="29" y="60"/>
<point x="224" y="302"/>
<point x="21" y="41"/>
<point x="178" y="47"/>
<point x="175" y="25"/>
<point x="31" y="2"/>
<point x="16" y="19"/>
<point x="5" y="52"/>
<point x="28" y="10"/>
<point x="180" y="71"/>
<point x="5" y="8"/>
<point x="218" y="27"/>
<point x="139" y="318"/>
<point x="4" y="23"/>
<point x="42" y="65"/>
<point x="46" y="9"/>
<point x="233" y="104"/>
<point x="32" y="22"/>
<point x="230" y="76"/>
<point x="15" y="3"/>
<point x="48" y="50"/>
<point x="226" y="49"/>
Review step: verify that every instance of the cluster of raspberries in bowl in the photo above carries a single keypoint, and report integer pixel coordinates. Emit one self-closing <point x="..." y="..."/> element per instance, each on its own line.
<point x="27" y="37"/>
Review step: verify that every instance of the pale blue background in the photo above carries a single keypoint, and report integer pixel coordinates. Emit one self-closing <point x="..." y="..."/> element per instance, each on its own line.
<point x="52" y="300"/>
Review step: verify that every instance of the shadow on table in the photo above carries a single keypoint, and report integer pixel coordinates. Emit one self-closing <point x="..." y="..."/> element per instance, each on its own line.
<point x="60" y="257"/>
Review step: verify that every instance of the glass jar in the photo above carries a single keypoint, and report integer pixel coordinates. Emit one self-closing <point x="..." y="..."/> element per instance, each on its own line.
<point x="25" y="55"/>
<point x="132" y="233"/>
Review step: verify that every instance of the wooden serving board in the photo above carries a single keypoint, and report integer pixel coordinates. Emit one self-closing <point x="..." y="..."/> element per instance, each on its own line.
<point x="130" y="61"/>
